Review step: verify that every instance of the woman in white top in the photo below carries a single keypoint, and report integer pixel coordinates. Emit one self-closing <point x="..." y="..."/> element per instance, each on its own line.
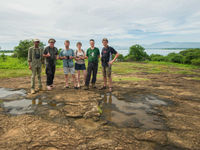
<point x="80" y="57"/>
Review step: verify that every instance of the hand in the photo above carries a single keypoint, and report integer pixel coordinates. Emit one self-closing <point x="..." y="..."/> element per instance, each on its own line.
<point x="48" y="54"/>
<point x="110" y="62"/>
<point x="64" y="57"/>
<point x="30" y="68"/>
<point x="70" y="57"/>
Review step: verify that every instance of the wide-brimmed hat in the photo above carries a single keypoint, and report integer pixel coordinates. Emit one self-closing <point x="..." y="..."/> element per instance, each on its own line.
<point x="51" y="40"/>
<point x="36" y="40"/>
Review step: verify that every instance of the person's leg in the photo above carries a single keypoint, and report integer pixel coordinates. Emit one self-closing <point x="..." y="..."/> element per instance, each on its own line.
<point x="84" y="75"/>
<point x="89" y="70"/>
<point x="109" y="70"/>
<point x="66" y="71"/>
<point x="104" y="76"/>
<point x="48" y="73"/>
<point x="39" y="70"/>
<point x="78" y="72"/>
<point x="33" y="80"/>
<point x="72" y="71"/>
<point x="53" y="73"/>
<point x="95" y="70"/>
<point x="66" y="80"/>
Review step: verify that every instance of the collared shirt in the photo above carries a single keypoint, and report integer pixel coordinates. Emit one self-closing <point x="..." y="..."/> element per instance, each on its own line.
<point x="67" y="62"/>
<point x="53" y="53"/>
<point x="35" y="56"/>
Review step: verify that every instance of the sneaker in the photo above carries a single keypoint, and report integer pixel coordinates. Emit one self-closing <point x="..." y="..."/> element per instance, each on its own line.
<point x="49" y="88"/>
<point x="32" y="91"/>
<point x="86" y="88"/>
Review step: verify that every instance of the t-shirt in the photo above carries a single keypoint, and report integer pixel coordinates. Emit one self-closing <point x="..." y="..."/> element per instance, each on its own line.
<point x="106" y="55"/>
<point x="67" y="62"/>
<point x="53" y="53"/>
<point x="80" y="54"/>
<point x="93" y="55"/>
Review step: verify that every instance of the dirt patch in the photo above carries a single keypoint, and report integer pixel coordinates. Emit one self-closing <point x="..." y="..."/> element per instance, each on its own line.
<point x="71" y="119"/>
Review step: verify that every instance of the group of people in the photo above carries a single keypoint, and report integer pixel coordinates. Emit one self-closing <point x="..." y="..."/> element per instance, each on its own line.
<point x="37" y="55"/>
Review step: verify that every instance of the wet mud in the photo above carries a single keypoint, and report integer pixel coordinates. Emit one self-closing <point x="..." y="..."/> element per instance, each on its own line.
<point x="162" y="113"/>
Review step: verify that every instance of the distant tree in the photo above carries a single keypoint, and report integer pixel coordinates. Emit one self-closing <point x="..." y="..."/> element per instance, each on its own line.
<point x="137" y="53"/>
<point x="21" y="51"/>
<point x="3" y="57"/>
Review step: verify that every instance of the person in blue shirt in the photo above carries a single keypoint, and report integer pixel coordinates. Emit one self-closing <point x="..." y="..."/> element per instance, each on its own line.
<point x="67" y="55"/>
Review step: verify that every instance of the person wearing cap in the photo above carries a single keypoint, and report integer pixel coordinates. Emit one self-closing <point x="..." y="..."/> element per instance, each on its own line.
<point x="106" y="62"/>
<point x="35" y="60"/>
<point x="50" y="54"/>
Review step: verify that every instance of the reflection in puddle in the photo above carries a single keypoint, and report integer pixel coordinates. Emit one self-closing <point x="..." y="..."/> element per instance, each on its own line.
<point x="140" y="112"/>
<point x="25" y="106"/>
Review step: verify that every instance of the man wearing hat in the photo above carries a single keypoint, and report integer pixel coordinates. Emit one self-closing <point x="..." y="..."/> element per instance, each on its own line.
<point x="35" y="60"/>
<point x="51" y="54"/>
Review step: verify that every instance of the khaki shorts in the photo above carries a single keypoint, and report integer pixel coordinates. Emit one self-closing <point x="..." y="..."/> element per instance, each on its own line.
<point x="106" y="71"/>
<point x="69" y="70"/>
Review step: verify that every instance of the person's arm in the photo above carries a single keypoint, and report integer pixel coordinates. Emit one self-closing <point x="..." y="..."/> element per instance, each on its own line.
<point x="72" y="57"/>
<point x="46" y="53"/>
<point x="113" y="51"/>
<point x="29" y="58"/>
<point x="57" y="57"/>
<point x="76" y="57"/>
<point x="61" y="56"/>
<point x="85" y="57"/>
<point x="87" y="54"/>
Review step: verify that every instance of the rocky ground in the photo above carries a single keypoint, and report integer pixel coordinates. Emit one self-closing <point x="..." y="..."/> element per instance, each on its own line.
<point x="77" y="123"/>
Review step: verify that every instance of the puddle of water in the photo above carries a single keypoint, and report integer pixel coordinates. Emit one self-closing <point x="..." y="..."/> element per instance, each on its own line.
<point x="139" y="112"/>
<point x="10" y="93"/>
<point x="26" y="106"/>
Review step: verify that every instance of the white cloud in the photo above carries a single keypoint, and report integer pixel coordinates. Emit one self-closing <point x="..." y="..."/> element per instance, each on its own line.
<point x="84" y="19"/>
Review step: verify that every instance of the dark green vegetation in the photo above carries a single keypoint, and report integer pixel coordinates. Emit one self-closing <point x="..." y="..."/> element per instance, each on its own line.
<point x="21" y="51"/>
<point x="137" y="53"/>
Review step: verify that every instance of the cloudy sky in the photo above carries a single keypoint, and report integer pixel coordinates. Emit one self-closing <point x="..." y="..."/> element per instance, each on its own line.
<point x="123" y="22"/>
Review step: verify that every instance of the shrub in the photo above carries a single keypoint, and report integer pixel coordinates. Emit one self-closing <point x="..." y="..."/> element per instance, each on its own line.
<point x="157" y="57"/>
<point x="129" y="58"/>
<point x="174" y="57"/>
<point x="196" y="61"/>
<point x="21" y="51"/>
<point x="120" y="57"/>
<point x="137" y="53"/>
<point x="3" y="57"/>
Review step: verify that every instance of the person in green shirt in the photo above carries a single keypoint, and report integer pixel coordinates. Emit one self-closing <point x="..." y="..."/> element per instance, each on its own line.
<point x="93" y="55"/>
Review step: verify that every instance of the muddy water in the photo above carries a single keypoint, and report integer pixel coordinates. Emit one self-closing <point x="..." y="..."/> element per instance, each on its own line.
<point x="15" y="103"/>
<point x="141" y="111"/>
<point x="9" y="94"/>
<point x="137" y="112"/>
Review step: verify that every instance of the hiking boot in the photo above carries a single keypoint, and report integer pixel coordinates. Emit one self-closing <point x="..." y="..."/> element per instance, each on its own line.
<point x="32" y="91"/>
<point x="86" y="88"/>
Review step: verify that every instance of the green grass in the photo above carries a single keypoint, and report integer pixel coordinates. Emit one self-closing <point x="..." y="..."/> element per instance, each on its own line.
<point x="175" y="65"/>
<point x="1" y="101"/>
<point x="14" y="67"/>
<point x="117" y="79"/>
